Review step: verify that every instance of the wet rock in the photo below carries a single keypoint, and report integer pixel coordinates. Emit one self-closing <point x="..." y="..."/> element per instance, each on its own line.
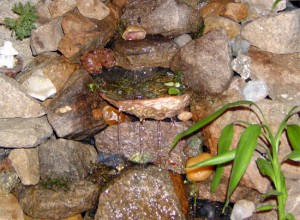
<point x="24" y="133"/>
<point x="235" y="11"/>
<point x="151" y="139"/>
<point x="39" y="202"/>
<point x="10" y="207"/>
<point x="65" y="159"/>
<point x="46" y="37"/>
<point x="205" y="63"/>
<point x="26" y="164"/>
<point x="167" y="17"/>
<point x="14" y="102"/>
<point x="281" y="30"/>
<point x="53" y="67"/>
<point x="71" y="111"/>
<point x="279" y="71"/>
<point x="84" y="34"/>
<point x="143" y="193"/>
<point x="150" y="52"/>
<point x="232" y="28"/>
<point x="58" y="8"/>
<point x="93" y="9"/>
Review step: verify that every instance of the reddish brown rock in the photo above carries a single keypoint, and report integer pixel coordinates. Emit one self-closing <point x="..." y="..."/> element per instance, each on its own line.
<point x="211" y="9"/>
<point x="236" y="11"/>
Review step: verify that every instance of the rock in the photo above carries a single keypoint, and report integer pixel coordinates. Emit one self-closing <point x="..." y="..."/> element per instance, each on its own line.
<point x="40" y="202"/>
<point x="65" y="159"/>
<point x="74" y="217"/>
<point x="236" y="11"/>
<point x="166" y="17"/>
<point x="10" y="208"/>
<point x="260" y="8"/>
<point x="8" y="178"/>
<point x="182" y="40"/>
<point x="54" y="67"/>
<point x="205" y="63"/>
<point x="198" y="174"/>
<point x="24" y="133"/>
<point x="46" y="37"/>
<point x="151" y="139"/>
<point x="211" y="9"/>
<point x="58" y="8"/>
<point x="293" y="199"/>
<point x="84" y="34"/>
<point x="143" y="193"/>
<point x="241" y="65"/>
<point x="255" y="90"/>
<point x="232" y="28"/>
<point x="71" y="111"/>
<point x="26" y="164"/>
<point x="134" y="33"/>
<point x="14" y="102"/>
<point x="43" y="12"/>
<point x="281" y="30"/>
<point x="149" y="52"/>
<point x="93" y="9"/>
<point x="242" y="209"/>
<point x="38" y="86"/>
<point x="280" y="72"/>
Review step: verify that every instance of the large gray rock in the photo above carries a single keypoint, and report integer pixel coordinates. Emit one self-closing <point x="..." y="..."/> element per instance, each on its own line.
<point x="275" y="33"/>
<point x="15" y="103"/>
<point x="66" y="159"/>
<point x="142" y="193"/>
<point x="46" y="37"/>
<point x="149" y="52"/>
<point x="166" y="17"/>
<point x="26" y="164"/>
<point x="24" y="133"/>
<point x="205" y="63"/>
<point x="279" y="71"/>
<point x="72" y="111"/>
<point x="75" y="198"/>
<point x="148" y="142"/>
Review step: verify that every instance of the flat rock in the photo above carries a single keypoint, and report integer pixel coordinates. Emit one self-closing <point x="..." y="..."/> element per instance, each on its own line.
<point x="150" y="140"/>
<point x="39" y="202"/>
<point x="26" y="164"/>
<point x="149" y="52"/>
<point x="282" y="31"/>
<point x="65" y="159"/>
<point x="166" y="17"/>
<point x="71" y="112"/>
<point x="142" y="193"/>
<point x="279" y="71"/>
<point x="24" y="133"/>
<point x="205" y="63"/>
<point x="14" y="102"/>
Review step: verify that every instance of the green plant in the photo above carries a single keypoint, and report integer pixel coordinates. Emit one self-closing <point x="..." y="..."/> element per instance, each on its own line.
<point x="23" y="25"/>
<point x="242" y="154"/>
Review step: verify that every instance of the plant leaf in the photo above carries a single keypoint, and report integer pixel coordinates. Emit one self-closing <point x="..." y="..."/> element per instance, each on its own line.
<point x="224" y="143"/>
<point x="271" y="193"/>
<point x="293" y="132"/>
<point x="290" y="216"/>
<point x="295" y="156"/>
<point x="265" y="168"/>
<point x="216" y="160"/>
<point x="207" y="120"/>
<point x="265" y="208"/>
<point x="245" y="149"/>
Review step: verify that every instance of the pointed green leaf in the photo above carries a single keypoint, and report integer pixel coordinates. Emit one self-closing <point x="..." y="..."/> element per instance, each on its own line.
<point x="271" y="193"/>
<point x="216" y="160"/>
<point x="207" y="120"/>
<point x="290" y="216"/>
<point x="245" y="149"/>
<point x="293" y="132"/>
<point x="265" y="208"/>
<point x="224" y="143"/>
<point x="295" y="156"/>
<point x="265" y="168"/>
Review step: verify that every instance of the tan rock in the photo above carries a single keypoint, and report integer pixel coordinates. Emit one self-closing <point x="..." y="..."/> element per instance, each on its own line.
<point x="93" y="9"/>
<point x="236" y="11"/>
<point x="10" y="208"/>
<point x="198" y="174"/>
<point x="75" y="217"/>
<point x="59" y="7"/>
<point x="211" y="9"/>
<point x="232" y="28"/>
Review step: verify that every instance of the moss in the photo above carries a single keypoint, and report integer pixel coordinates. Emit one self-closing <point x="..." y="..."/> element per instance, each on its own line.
<point x="56" y="184"/>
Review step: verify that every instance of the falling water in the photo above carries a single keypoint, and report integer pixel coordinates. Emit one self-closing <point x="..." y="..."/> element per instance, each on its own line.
<point x="141" y="137"/>
<point x="159" y="138"/>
